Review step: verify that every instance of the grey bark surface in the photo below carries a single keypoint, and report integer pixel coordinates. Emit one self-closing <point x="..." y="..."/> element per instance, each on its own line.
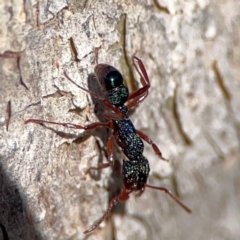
<point x="191" y="50"/>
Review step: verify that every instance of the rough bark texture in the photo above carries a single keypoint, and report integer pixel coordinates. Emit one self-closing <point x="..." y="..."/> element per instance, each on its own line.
<point x="191" y="51"/>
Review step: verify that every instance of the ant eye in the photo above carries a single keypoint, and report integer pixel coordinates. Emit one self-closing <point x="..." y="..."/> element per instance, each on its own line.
<point x="113" y="79"/>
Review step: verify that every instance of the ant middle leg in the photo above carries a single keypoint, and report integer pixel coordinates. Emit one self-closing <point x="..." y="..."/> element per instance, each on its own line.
<point x="109" y="157"/>
<point x="111" y="116"/>
<point x="154" y="146"/>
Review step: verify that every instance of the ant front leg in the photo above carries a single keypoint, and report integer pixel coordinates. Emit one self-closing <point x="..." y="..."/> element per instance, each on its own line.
<point x="71" y="125"/>
<point x="139" y="95"/>
<point x="86" y="128"/>
<point x="154" y="146"/>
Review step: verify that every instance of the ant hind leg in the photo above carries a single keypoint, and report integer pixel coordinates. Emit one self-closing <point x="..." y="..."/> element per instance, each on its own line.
<point x="123" y="196"/>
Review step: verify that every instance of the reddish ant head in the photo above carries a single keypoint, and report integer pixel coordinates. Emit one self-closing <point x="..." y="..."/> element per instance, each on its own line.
<point x="112" y="82"/>
<point x="108" y="76"/>
<point x="135" y="174"/>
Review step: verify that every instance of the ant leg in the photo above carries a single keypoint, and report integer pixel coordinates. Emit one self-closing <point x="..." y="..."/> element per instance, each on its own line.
<point x="110" y="150"/>
<point x="136" y="100"/>
<point x="111" y="116"/>
<point x="9" y="113"/>
<point x="104" y="101"/>
<point x="123" y="196"/>
<point x="109" y="159"/>
<point x="154" y="146"/>
<point x="142" y="72"/>
<point x="71" y="125"/>
<point x="170" y="194"/>
<point x="86" y="128"/>
<point x="139" y="95"/>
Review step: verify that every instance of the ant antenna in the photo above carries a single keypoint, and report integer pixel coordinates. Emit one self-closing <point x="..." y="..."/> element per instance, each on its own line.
<point x="104" y="101"/>
<point x="84" y="89"/>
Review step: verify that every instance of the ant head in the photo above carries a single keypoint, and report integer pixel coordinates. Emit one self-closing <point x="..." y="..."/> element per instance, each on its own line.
<point x="135" y="173"/>
<point x="108" y="76"/>
<point x="112" y="81"/>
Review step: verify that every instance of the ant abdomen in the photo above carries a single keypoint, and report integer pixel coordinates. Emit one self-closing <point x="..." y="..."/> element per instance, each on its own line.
<point x="135" y="173"/>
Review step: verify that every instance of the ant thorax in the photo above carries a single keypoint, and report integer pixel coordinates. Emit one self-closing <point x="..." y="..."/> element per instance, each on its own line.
<point x="118" y="95"/>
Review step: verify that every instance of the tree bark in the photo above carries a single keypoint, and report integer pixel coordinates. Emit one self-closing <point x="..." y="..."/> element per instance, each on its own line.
<point x="191" y="51"/>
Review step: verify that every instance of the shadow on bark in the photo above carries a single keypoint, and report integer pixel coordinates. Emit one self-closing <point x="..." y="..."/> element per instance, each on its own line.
<point x="15" y="221"/>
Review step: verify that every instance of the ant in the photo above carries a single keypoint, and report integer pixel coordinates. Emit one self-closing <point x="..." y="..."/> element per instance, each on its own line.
<point x="135" y="168"/>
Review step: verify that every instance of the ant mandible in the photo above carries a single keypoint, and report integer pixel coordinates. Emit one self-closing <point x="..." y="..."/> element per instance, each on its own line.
<point x="135" y="169"/>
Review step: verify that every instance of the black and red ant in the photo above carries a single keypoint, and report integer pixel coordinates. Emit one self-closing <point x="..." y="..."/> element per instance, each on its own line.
<point x="135" y="168"/>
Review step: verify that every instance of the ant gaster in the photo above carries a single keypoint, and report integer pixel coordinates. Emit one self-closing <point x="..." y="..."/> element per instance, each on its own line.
<point x="135" y="168"/>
